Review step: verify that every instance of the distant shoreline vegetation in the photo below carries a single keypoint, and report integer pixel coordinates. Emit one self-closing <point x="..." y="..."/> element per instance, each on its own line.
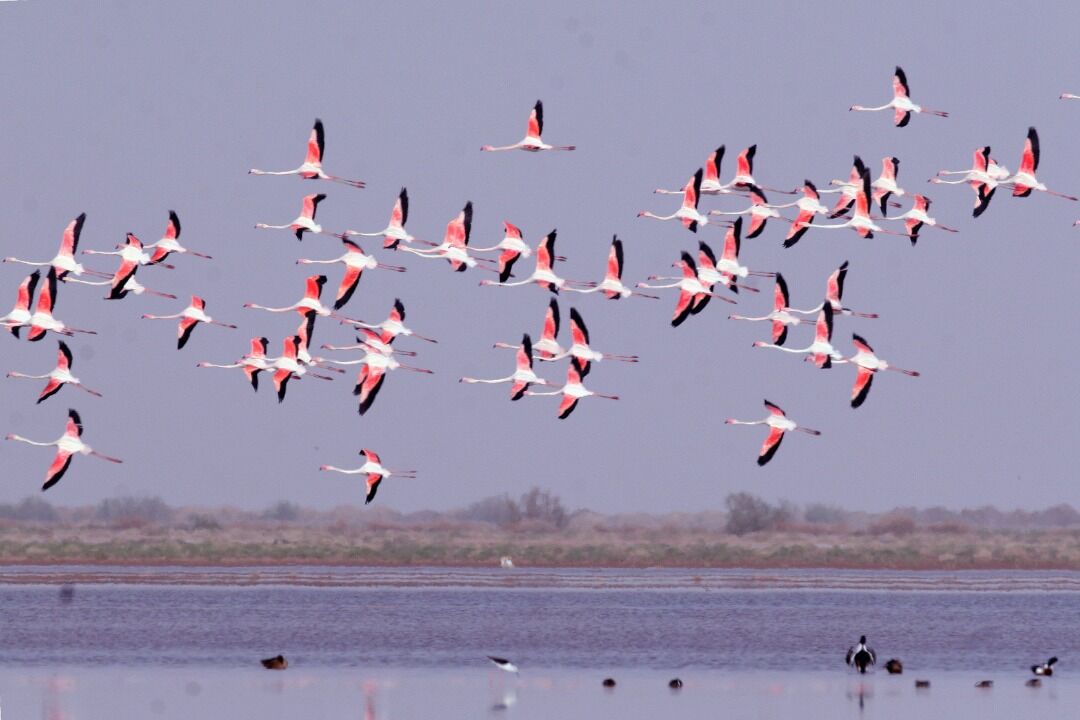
<point x="537" y="530"/>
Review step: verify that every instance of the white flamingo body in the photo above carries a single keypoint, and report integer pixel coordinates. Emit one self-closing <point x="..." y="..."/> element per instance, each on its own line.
<point x="820" y="352"/>
<point x="532" y="141"/>
<point x="523" y="376"/>
<point x="867" y="364"/>
<point x="170" y="242"/>
<point x="687" y="213"/>
<point x="374" y="470"/>
<point x="572" y="392"/>
<point x="67" y="446"/>
<point x="778" y="424"/>
<point x="58" y="376"/>
<point x="901" y="102"/>
<point x="312" y="168"/>
<point x="20" y="315"/>
<point x="64" y="261"/>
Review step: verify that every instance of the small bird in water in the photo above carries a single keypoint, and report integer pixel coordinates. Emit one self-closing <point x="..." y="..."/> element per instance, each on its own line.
<point x="67" y="593"/>
<point x="608" y="682"/>
<point x="922" y="684"/>
<point x="675" y="684"/>
<point x="1047" y="668"/>
<point x="275" y="663"/>
<point x="894" y="667"/>
<point x="985" y="684"/>
<point x="503" y="664"/>
<point x="860" y="656"/>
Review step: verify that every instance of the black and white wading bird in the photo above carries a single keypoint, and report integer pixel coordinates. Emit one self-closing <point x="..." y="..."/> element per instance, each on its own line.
<point x="860" y="656"/>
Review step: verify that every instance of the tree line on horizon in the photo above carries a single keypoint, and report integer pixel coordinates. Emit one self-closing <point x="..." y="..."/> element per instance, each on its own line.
<point x="541" y="510"/>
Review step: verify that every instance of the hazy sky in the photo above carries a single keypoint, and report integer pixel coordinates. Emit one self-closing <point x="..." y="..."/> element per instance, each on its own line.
<point x="126" y="110"/>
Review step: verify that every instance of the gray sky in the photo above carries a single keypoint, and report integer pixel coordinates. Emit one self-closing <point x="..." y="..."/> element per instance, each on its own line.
<point x="125" y="110"/>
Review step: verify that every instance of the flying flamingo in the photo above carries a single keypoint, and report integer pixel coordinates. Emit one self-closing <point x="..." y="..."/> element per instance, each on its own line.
<point x="579" y="352"/>
<point x="393" y="325"/>
<point x="252" y="364"/>
<point x="710" y="276"/>
<point x="375" y="365"/>
<point x="983" y="177"/>
<point x="170" y="242"/>
<point x="885" y="186"/>
<point x="548" y="347"/>
<point x="305" y="332"/>
<point x="189" y="317"/>
<point x="809" y="206"/>
<point x="64" y="262"/>
<point x="289" y="366"/>
<point x="58" y="377"/>
<point x="848" y="189"/>
<point x="131" y="253"/>
<point x="455" y="245"/>
<point x="395" y="232"/>
<point x="571" y="392"/>
<point x="820" y="352"/>
<point x="867" y="363"/>
<point x="543" y="275"/>
<point x="356" y="262"/>
<point x="312" y="167"/>
<point x="532" y="141"/>
<point x="305" y="222"/>
<point x="513" y="247"/>
<point x="778" y="425"/>
<point x="1068" y="96"/>
<point x="1024" y="181"/>
<point x="612" y="284"/>
<point x="860" y="221"/>
<point x="375" y="472"/>
<point x="69" y="444"/>
<point x="834" y="293"/>
<point x="523" y="376"/>
<point x="781" y="315"/>
<point x="744" y="174"/>
<point x="688" y="213"/>
<point x="729" y="260"/>
<point x="917" y="216"/>
<point x="123" y="282"/>
<point x="693" y="295"/>
<point x="370" y="341"/>
<point x="759" y="211"/>
<point x="710" y="181"/>
<point x="19" y="316"/>
<point x="901" y="102"/>
<point x="311" y="301"/>
<point x="42" y="320"/>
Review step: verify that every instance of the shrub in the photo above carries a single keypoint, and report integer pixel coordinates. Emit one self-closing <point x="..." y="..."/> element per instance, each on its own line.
<point x="133" y="511"/>
<point x="31" y="509"/>
<point x="892" y="524"/>
<point x="748" y="513"/>
<point x="283" y="511"/>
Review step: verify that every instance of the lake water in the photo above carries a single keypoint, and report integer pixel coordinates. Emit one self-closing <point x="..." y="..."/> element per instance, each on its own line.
<point x="411" y="643"/>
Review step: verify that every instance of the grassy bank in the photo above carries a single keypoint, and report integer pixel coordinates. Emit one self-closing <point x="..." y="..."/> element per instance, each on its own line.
<point x="472" y="546"/>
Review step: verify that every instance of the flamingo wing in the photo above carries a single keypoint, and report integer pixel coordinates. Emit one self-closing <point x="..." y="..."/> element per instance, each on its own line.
<point x="863" y="380"/>
<point x="316" y="143"/>
<point x="779" y="333"/>
<point x="373" y="482"/>
<point x="506" y="264"/>
<point x="682" y="308"/>
<point x="60" y="464"/>
<point x="349" y="281"/>
<point x="536" y="121"/>
<point x="183" y="331"/>
<point x="51" y="388"/>
<point x="770" y="446"/>
<point x="281" y="382"/>
<point x="368" y="384"/>
<point x="569" y="402"/>
<point x="69" y="243"/>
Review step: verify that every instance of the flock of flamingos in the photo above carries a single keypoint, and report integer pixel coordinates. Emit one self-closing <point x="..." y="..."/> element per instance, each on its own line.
<point x="863" y="205"/>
